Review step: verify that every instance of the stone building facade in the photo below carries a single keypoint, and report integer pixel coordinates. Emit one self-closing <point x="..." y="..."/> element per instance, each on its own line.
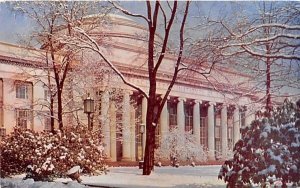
<point x="212" y="110"/>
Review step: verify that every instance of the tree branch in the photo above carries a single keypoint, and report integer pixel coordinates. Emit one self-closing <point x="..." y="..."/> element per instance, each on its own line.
<point x="96" y="49"/>
<point x="127" y="12"/>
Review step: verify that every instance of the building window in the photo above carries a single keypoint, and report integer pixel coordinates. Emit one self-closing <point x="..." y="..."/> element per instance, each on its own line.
<point x="230" y="131"/>
<point x="138" y="122"/>
<point x="157" y="129"/>
<point x="1" y="102"/>
<point x="138" y="115"/>
<point x="243" y="118"/>
<point x="2" y="132"/>
<point x="47" y="121"/>
<point x="1" y="115"/>
<point x="172" y="109"/>
<point x="203" y="132"/>
<point x="218" y="130"/>
<point x="188" y="112"/>
<point x="22" y="90"/>
<point x="46" y="94"/>
<point x="204" y="125"/>
<point x="157" y="136"/>
<point x="23" y="118"/>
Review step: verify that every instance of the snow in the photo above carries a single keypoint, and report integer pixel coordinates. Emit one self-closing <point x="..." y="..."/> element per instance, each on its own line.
<point x="263" y="135"/>
<point x="131" y="177"/>
<point x="29" y="183"/>
<point x="73" y="170"/>
<point x="293" y="168"/>
<point x="295" y="145"/>
<point x="274" y="157"/>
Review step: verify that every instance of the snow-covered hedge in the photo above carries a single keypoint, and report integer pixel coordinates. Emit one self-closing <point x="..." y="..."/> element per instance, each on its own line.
<point x="269" y="150"/>
<point x="45" y="155"/>
<point x="182" y="146"/>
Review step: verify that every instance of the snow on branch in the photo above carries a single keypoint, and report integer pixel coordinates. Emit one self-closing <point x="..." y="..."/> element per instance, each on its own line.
<point x="260" y="40"/>
<point x="95" y="47"/>
<point x="276" y="56"/>
<point x="128" y="13"/>
<point x="277" y="25"/>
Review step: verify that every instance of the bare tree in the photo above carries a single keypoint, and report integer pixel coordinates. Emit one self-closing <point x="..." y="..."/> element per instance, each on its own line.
<point x="49" y="18"/>
<point x="173" y="18"/>
<point x="154" y="10"/>
<point x="265" y="43"/>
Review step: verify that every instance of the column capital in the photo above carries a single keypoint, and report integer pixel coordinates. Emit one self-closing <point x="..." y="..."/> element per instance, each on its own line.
<point x="212" y="103"/>
<point x="163" y="95"/>
<point x="236" y="106"/>
<point x="232" y="107"/>
<point x="197" y="101"/>
<point x="127" y="91"/>
<point x="181" y="99"/>
<point x="243" y="108"/>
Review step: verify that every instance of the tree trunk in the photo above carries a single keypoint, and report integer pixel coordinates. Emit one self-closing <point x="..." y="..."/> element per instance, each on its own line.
<point x="52" y="114"/>
<point x="268" y="89"/>
<point x="268" y="83"/>
<point x="51" y="97"/>
<point x="148" y="157"/>
<point x="59" y="108"/>
<point x="150" y="132"/>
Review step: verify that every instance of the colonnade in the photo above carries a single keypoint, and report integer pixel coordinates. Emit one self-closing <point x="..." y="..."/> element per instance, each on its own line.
<point x="129" y="128"/>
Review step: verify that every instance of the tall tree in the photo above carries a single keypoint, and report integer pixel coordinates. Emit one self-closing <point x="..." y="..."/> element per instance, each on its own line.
<point x="165" y="21"/>
<point x="48" y="18"/>
<point x="168" y="11"/>
<point x="269" y="41"/>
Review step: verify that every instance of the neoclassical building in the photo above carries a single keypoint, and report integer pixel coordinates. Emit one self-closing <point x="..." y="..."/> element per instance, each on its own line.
<point x="212" y="109"/>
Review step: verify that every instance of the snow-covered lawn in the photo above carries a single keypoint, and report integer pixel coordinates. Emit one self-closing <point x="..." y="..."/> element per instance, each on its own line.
<point x="184" y="176"/>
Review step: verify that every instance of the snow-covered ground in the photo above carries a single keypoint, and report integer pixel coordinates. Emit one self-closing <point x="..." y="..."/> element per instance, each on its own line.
<point x="131" y="177"/>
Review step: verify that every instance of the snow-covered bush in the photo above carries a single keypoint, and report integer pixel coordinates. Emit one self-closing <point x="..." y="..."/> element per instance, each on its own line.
<point x="269" y="149"/>
<point x="184" y="148"/>
<point x="224" y="154"/>
<point x="45" y="155"/>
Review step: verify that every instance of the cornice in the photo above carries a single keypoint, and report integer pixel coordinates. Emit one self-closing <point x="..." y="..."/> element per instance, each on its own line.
<point x="131" y="23"/>
<point x="21" y="62"/>
<point x="165" y="77"/>
<point x="20" y="47"/>
<point x="171" y="57"/>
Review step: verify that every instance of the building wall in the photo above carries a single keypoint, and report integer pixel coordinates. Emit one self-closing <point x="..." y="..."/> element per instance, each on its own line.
<point x="13" y="74"/>
<point x="120" y="117"/>
<point x="20" y="64"/>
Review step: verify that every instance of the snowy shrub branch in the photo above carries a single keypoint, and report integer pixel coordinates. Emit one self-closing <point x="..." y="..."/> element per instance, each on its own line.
<point x="45" y="155"/>
<point x="269" y="148"/>
<point x="182" y="147"/>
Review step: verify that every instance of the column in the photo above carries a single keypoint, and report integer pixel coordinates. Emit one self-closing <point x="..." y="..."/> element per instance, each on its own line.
<point x="224" y="138"/>
<point x="113" y="139"/>
<point x="236" y="125"/>
<point x="144" y="114"/>
<point x="180" y="115"/>
<point x="126" y="126"/>
<point x="105" y="121"/>
<point x="132" y="132"/>
<point x="164" y="116"/>
<point x="211" y="131"/>
<point x="196" y="122"/>
<point x="249" y="117"/>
